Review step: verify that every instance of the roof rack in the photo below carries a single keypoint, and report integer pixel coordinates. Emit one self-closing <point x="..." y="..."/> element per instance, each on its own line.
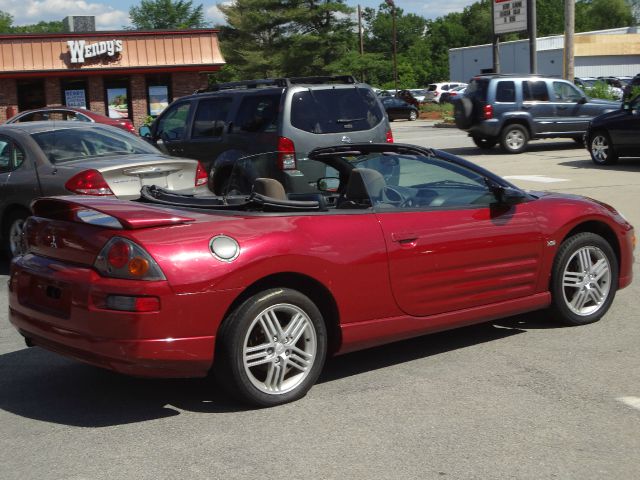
<point x="279" y="82"/>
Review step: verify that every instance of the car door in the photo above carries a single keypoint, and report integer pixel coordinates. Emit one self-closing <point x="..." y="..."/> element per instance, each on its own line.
<point x="624" y="130"/>
<point x="18" y="177"/>
<point x="571" y="113"/>
<point x="535" y="101"/>
<point x="208" y="129"/>
<point x="170" y="129"/>
<point x="451" y="247"/>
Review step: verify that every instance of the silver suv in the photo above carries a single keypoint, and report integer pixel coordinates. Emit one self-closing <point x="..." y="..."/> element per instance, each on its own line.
<point x="512" y="109"/>
<point x="289" y="115"/>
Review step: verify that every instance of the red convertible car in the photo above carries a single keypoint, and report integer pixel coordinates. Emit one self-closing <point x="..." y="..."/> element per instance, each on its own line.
<point x="357" y="246"/>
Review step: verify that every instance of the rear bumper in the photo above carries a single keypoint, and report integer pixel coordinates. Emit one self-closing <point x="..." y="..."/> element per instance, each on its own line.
<point x="176" y="341"/>
<point x="485" y="128"/>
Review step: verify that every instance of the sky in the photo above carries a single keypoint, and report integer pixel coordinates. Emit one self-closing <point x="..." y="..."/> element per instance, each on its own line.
<point x="114" y="14"/>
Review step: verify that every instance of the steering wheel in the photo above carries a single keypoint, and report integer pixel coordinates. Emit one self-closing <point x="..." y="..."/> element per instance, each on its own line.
<point x="396" y="197"/>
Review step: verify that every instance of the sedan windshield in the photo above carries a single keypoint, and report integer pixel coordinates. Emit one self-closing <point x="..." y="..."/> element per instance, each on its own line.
<point x="68" y="144"/>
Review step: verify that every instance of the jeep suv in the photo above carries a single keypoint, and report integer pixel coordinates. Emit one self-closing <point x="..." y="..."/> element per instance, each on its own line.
<point x="512" y="109"/>
<point x="232" y="120"/>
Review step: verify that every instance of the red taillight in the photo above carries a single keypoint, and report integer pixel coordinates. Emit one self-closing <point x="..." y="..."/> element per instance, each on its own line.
<point x="118" y="254"/>
<point x="129" y="126"/>
<point x="286" y="154"/>
<point x="126" y="303"/>
<point x="201" y="175"/>
<point x="389" y="138"/>
<point x="487" y="112"/>
<point x="88" y="182"/>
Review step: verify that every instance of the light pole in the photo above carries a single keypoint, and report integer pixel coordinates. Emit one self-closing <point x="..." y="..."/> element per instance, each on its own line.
<point x="395" y="52"/>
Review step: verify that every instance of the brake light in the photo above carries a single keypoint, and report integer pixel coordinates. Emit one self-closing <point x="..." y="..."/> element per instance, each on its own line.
<point x="127" y="303"/>
<point x="389" y="138"/>
<point x="129" y="127"/>
<point x="286" y="154"/>
<point x="88" y="182"/>
<point x="487" y="112"/>
<point x="201" y="175"/>
<point x="123" y="258"/>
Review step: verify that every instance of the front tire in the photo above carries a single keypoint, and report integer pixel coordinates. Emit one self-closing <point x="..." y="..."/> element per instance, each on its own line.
<point x="601" y="149"/>
<point x="272" y="348"/>
<point x="413" y="115"/>
<point x="514" y="138"/>
<point x="12" y="240"/>
<point x="584" y="279"/>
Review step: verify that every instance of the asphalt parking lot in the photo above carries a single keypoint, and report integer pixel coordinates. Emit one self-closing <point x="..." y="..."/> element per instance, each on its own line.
<point x="519" y="398"/>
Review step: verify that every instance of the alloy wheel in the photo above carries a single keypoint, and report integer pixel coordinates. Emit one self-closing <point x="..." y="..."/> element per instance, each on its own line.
<point x="16" y="241"/>
<point x="279" y="349"/>
<point x="515" y="139"/>
<point x="600" y="148"/>
<point x="586" y="280"/>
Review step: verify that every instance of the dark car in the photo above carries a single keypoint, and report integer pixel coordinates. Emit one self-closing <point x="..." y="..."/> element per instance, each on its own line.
<point x="389" y="242"/>
<point x="512" y="109"/>
<point x="72" y="114"/>
<point x="294" y="115"/>
<point x="615" y="134"/>
<point x="399" y="109"/>
<point x="450" y="95"/>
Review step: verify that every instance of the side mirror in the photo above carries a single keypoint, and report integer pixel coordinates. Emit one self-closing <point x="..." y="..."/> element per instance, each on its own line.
<point x="505" y="195"/>
<point x="582" y="100"/>
<point x="145" y="131"/>
<point x="328" y="184"/>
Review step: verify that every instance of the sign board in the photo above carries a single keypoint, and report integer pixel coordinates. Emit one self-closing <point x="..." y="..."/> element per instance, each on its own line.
<point x="75" y="98"/>
<point x="80" y="50"/>
<point x="509" y="16"/>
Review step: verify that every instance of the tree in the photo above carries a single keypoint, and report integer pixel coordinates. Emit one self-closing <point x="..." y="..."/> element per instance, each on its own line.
<point x="5" y="22"/>
<point x="166" y="15"/>
<point x="271" y="38"/>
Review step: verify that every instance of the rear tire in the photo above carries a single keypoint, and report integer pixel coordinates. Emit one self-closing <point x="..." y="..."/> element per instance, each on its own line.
<point x="271" y="348"/>
<point x="485" y="142"/>
<point x="601" y="149"/>
<point x="514" y="138"/>
<point x="413" y="115"/>
<point x="584" y="279"/>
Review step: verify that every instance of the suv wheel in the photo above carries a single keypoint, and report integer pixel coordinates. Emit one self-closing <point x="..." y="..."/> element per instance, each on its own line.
<point x="514" y="138"/>
<point x="601" y="149"/>
<point x="413" y="115"/>
<point x="485" y="142"/>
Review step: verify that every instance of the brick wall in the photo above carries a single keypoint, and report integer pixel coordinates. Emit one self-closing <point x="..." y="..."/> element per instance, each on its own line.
<point x="52" y="93"/>
<point x="96" y="95"/>
<point x="138" y="95"/>
<point x="185" y="83"/>
<point x="8" y="98"/>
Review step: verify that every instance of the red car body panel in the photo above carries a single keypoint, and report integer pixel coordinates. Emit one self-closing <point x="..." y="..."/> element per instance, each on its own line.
<point x="375" y="266"/>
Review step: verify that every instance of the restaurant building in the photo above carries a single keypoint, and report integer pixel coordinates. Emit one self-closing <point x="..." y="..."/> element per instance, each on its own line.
<point x="132" y="74"/>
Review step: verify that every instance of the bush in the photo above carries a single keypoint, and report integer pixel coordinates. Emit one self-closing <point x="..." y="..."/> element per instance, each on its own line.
<point x="600" y="90"/>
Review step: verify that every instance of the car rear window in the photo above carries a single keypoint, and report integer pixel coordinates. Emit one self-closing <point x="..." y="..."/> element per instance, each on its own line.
<point x="335" y="110"/>
<point x="432" y="88"/>
<point x="477" y="89"/>
<point x="506" y="92"/>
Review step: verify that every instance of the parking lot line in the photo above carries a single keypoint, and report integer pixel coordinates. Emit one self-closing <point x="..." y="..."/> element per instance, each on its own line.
<point x="633" y="402"/>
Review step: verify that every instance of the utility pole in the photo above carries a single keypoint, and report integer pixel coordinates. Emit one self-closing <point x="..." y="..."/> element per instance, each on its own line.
<point x="569" y="33"/>
<point x="395" y="52"/>
<point x="533" y="34"/>
<point x="361" y="38"/>
<point x="496" y="40"/>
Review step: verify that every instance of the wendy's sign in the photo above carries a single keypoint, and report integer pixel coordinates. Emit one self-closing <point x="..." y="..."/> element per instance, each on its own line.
<point x="81" y="50"/>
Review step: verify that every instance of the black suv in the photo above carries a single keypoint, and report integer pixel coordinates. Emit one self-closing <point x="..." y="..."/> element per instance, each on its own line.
<point x="289" y="115"/>
<point x="512" y="109"/>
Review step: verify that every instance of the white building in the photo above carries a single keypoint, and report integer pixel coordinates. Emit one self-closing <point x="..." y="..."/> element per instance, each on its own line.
<point x="614" y="52"/>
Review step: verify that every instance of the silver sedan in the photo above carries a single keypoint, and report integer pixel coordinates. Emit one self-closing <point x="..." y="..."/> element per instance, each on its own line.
<point x="58" y="158"/>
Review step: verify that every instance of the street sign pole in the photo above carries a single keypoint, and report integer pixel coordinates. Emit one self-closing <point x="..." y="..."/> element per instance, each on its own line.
<point x="533" y="33"/>
<point x="496" y="42"/>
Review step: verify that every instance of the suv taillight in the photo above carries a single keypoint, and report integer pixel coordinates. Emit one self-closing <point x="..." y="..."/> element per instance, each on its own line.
<point x="88" y="182"/>
<point x="487" y="112"/>
<point x="389" y="138"/>
<point x="201" y="175"/>
<point x="122" y="258"/>
<point x="286" y="154"/>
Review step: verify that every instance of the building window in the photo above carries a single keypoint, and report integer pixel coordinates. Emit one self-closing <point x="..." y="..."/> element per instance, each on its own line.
<point x="158" y="93"/>
<point x="117" y="98"/>
<point x="74" y="93"/>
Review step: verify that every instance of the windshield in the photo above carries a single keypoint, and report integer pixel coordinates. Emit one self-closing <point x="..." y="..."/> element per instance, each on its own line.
<point x="67" y="144"/>
<point x="335" y="110"/>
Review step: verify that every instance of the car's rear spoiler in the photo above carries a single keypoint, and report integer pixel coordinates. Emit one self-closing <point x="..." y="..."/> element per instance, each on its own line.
<point x="106" y="212"/>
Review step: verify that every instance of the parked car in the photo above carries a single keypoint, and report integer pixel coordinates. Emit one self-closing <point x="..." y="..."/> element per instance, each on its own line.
<point x="419" y="94"/>
<point x="408" y="97"/>
<point x="375" y="243"/>
<point x="58" y="158"/>
<point x="399" y="109"/>
<point x="447" y="97"/>
<point x="615" y="134"/>
<point x="73" y="114"/>
<point x="434" y="90"/>
<point x="512" y="109"/>
<point x="236" y="119"/>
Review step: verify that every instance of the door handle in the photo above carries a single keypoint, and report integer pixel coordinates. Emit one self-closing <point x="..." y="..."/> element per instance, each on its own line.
<point x="404" y="238"/>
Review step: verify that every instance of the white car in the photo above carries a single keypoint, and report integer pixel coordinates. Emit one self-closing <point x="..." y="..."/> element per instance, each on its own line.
<point x="435" y="90"/>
